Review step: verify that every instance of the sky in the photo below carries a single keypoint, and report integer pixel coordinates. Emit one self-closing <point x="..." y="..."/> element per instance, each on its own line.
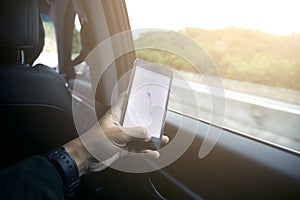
<point x="279" y="17"/>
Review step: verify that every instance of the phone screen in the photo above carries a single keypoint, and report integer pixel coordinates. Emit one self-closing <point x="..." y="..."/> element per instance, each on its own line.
<point x="147" y="100"/>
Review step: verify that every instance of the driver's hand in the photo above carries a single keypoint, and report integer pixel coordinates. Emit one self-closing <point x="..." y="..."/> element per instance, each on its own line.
<point x="107" y="141"/>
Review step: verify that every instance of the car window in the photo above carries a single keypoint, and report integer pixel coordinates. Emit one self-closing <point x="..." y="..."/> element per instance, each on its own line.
<point x="49" y="54"/>
<point x="254" y="49"/>
<point x="76" y="43"/>
<point x="80" y="67"/>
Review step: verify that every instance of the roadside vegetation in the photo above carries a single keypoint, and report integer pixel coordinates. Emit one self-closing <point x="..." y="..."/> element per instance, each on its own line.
<point x="239" y="54"/>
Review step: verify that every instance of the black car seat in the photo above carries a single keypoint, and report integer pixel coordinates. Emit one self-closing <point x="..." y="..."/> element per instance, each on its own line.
<point x="35" y="105"/>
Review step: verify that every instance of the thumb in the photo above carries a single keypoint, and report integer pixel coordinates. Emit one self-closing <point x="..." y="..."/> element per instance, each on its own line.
<point x="116" y="109"/>
<point x="135" y="134"/>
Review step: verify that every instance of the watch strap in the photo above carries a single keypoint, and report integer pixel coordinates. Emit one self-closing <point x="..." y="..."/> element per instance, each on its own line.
<point x="67" y="168"/>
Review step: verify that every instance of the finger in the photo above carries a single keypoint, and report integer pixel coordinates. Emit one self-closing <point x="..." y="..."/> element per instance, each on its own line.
<point x="116" y="109"/>
<point x="144" y="152"/>
<point x="135" y="134"/>
<point x="152" y="154"/>
<point x="122" y="135"/>
<point x="120" y="100"/>
<point x="165" y="139"/>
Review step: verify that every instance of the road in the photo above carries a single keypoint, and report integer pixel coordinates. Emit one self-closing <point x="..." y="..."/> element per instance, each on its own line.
<point x="275" y="121"/>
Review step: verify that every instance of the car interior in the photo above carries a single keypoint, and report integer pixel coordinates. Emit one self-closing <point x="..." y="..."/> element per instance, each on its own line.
<point x="37" y="111"/>
<point x="36" y="106"/>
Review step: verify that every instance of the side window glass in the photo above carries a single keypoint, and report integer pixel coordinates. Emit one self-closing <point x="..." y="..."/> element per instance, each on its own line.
<point x="254" y="50"/>
<point x="49" y="54"/>
<point x="80" y="67"/>
<point x="76" y="43"/>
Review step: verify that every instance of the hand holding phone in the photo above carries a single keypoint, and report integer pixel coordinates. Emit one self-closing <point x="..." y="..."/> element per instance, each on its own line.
<point x="147" y="100"/>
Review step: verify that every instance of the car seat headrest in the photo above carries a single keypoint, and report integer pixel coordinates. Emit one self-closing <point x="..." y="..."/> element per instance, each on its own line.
<point x="21" y="32"/>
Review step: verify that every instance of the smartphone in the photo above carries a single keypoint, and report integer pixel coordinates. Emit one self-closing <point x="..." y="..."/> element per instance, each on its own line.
<point x="147" y="100"/>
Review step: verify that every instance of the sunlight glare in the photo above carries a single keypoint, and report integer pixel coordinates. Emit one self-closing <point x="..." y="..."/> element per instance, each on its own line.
<point x="275" y="17"/>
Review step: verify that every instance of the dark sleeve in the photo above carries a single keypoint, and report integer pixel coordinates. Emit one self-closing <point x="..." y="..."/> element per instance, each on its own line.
<point x="33" y="178"/>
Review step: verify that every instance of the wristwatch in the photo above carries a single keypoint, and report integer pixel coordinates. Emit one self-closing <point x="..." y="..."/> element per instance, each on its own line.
<point x="67" y="168"/>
